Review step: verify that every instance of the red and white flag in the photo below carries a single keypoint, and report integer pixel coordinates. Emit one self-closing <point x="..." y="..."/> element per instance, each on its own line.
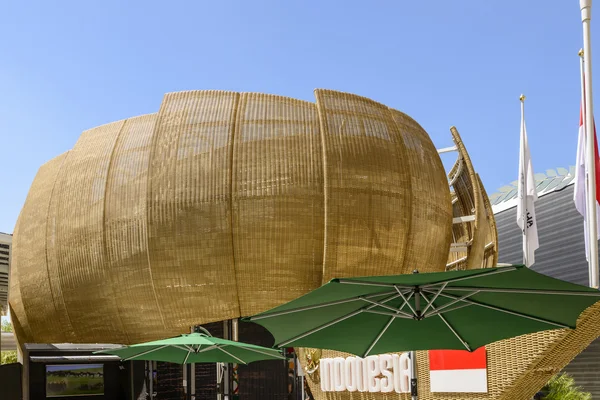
<point x="458" y="371"/>
<point x="579" y="195"/>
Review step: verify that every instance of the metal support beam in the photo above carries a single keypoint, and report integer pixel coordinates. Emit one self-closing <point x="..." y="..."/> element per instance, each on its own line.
<point x="447" y="149"/>
<point x="461" y="220"/>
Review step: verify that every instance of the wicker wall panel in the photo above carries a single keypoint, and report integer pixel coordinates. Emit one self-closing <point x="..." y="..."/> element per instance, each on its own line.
<point x="214" y="208"/>
<point x="367" y="187"/>
<point x="37" y="296"/>
<point x="15" y="300"/>
<point x="277" y="201"/>
<point x="53" y="265"/>
<point x="491" y="250"/>
<point x="468" y="201"/>
<point x="189" y="216"/>
<point x="431" y="216"/>
<point x="126" y="231"/>
<point x="80" y="245"/>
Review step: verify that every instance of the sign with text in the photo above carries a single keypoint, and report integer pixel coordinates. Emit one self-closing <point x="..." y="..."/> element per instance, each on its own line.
<point x="382" y="373"/>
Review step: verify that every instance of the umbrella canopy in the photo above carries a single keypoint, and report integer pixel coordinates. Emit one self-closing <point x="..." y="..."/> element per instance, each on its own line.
<point x="196" y="348"/>
<point x="442" y="310"/>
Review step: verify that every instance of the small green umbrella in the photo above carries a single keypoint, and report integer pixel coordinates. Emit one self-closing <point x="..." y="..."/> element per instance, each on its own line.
<point x="196" y="348"/>
<point x="442" y="310"/>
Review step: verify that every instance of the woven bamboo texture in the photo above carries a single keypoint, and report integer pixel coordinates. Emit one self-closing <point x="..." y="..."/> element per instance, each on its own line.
<point x="222" y="205"/>
<point x="477" y="239"/>
<point x="428" y="202"/>
<point x="277" y="193"/>
<point x="490" y="253"/>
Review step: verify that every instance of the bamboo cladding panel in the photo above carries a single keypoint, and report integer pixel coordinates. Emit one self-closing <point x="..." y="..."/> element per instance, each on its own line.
<point x="429" y="225"/>
<point x="126" y="229"/>
<point x="15" y="300"/>
<point x="189" y="216"/>
<point x="277" y="201"/>
<point x="40" y="307"/>
<point x="80" y="247"/>
<point x="367" y="187"/>
<point x="469" y="201"/>
<point x="222" y="205"/>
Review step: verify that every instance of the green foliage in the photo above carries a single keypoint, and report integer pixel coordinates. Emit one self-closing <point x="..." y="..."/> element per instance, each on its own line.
<point x="6" y="326"/>
<point x="562" y="387"/>
<point x="8" y="357"/>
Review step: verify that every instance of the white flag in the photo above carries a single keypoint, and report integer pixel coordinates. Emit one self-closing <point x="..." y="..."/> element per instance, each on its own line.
<point x="527" y="195"/>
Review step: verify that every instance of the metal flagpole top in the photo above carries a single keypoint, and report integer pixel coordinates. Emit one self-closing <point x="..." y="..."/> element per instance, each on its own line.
<point x="522" y="98"/>
<point x="580" y="53"/>
<point x="586" y="9"/>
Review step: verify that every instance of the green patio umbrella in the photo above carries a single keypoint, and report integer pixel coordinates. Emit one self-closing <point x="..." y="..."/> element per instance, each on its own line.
<point x="442" y="310"/>
<point x="196" y="348"/>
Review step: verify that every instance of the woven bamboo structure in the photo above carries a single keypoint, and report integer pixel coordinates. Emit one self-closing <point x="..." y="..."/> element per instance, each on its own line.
<point x="222" y="205"/>
<point x="475" y="241"/>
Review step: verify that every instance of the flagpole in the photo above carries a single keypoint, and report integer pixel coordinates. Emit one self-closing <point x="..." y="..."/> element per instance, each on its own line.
<point x="524" y="183"/>
<point x="592" y="222"/>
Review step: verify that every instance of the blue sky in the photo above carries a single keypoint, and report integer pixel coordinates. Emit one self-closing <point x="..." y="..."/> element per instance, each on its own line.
<point x="71" y="65"/>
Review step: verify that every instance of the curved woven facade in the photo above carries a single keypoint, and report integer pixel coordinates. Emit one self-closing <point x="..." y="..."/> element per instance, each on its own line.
<point x="222" y="205"/>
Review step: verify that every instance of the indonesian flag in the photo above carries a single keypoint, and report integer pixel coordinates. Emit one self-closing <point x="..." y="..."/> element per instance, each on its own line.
<point x="579" y="195"/>
<point x="458" y="371"/>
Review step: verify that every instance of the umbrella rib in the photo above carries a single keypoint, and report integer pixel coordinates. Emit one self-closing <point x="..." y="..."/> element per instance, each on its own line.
<point x="321" y="305"/>
<point x="448" y="324"/>
<point x="214" y="346"/>
<point x="454" y="332"/>
<point x="445" y="306"/>
<point x="368" y="283"/>
<point x="379" y="336"/>
<point x="278" y="355"/>
<point x="430" y="303"/>
<point x="395" y="310"/>
<point x="524" y="291"/>
<point x="231" y="355"/>
<point x="447" y="309"/>
<point x="388" y="325"/>
<point x="406" y="299"/>
<point x="464" y="278"/>
<point x="146" y="352"/>
<point x="335" y="321"/>
<point x="476" y="303"/>
<point x="391" y="314"/>
<point x="187" y="356"/>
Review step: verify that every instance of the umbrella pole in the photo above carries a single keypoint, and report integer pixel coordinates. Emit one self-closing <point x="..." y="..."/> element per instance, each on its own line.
<point x="413" y="375"/>
<point x="413" y="354"/>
